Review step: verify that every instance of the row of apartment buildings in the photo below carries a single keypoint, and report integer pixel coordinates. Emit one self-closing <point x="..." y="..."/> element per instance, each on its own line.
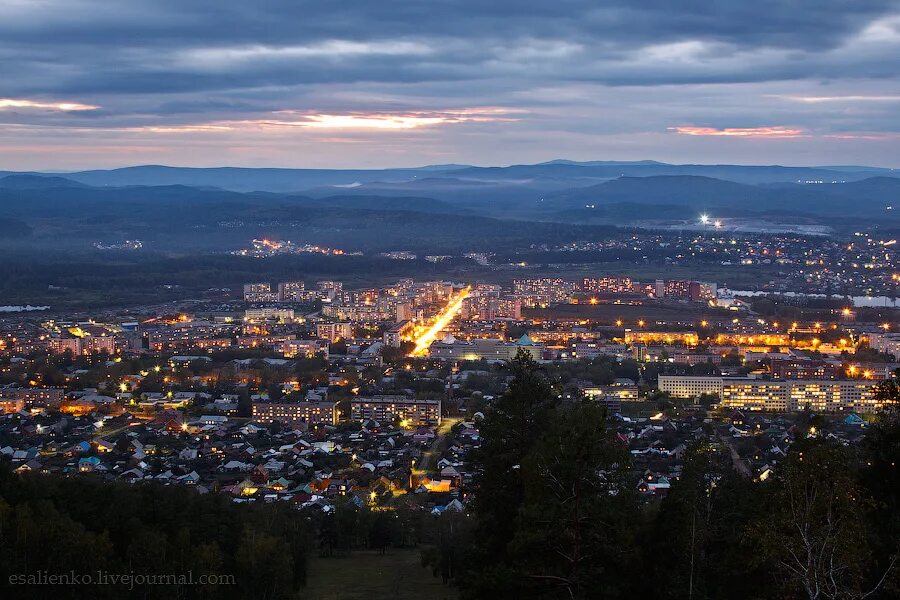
<point x="780" y="395"/>
<point x="291" y="291"/>
<point x="548" y="290"/>
<point x="384" y="409"/>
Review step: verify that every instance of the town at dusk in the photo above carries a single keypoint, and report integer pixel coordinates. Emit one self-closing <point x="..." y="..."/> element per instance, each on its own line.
<point x="449" y="300"/>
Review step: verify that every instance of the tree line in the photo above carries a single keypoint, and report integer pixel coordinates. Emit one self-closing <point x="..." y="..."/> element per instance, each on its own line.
<point x="85" y="525"/>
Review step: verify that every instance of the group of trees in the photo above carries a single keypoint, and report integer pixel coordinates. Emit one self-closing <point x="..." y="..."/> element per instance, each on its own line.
<point x="350" y="528"/>
<point x="556" y="514"/>
<point x="84" y="525"/>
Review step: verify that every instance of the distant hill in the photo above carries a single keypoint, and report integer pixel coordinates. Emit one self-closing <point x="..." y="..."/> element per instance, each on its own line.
<point x="700" y="193"/>
<point x="601" y="163"/>
<point x="874" y="189"/>
<point x="738" y="173"/>
<point x="406" y="203"/>
<point x="237" y="178"/>
<point x="26" y="181"/>
<point x="562" y="173"/>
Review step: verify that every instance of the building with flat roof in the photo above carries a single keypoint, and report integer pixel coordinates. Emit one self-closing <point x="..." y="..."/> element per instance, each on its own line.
<point x="689" y="386"/>
<point x="385" y="409"/>
<point x="827" y="395"/>
<point x="488" y="349"/>
<point x="320" y="412"/>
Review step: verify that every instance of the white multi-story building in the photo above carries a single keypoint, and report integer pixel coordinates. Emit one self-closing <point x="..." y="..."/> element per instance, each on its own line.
<point x="269" y="313"/>
<point x="292" y="291"/>
<point x="889" y="343"/>
<point x="778" y="394"/>
<point x="756" y="394"/>
<point x="259" y="292"/>
<point x="688" y="386"/>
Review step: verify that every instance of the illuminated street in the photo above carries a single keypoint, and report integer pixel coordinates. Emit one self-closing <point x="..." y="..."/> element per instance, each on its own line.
<point x="424" y="338"/>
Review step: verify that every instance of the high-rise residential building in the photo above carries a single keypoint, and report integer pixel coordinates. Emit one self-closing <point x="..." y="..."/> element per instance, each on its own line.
<point x="329" y="290"/>
<point x="608" y="285"/>
<point x="334" y="331"/>
<point x="291" y="291"/>
<point x="259" y="292"/>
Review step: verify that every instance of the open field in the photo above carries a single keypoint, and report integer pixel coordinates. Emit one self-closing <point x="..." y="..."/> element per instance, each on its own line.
<point x="365" y="575"/>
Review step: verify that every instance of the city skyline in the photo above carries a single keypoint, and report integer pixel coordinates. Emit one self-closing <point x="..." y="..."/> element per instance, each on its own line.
<point x="290" y="85"/>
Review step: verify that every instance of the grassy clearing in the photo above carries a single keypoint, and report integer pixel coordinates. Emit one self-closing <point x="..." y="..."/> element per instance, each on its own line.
<point x="398" y="575"/>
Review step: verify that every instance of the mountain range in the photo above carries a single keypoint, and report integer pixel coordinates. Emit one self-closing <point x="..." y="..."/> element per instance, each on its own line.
<point x="377" y="208"/>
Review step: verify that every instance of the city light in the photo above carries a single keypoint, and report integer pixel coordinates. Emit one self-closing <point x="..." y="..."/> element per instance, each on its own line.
<point x="704" y="218"/>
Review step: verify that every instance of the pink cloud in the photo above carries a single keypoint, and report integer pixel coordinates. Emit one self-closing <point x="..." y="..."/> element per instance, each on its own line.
<point x="762" y="132"/>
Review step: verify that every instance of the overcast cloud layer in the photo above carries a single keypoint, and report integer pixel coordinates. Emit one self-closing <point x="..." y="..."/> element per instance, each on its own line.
<point x="359" y="83"/>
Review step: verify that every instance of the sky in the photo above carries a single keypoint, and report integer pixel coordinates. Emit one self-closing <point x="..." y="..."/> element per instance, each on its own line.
<point x="371" y="84"/>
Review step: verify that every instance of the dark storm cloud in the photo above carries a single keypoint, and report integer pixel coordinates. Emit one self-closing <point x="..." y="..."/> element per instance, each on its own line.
<point x="80" y="46"/>
<point x="574" y="67"/>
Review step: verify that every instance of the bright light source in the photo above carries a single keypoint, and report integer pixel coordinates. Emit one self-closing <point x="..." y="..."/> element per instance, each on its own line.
<point x="704" y="218"/>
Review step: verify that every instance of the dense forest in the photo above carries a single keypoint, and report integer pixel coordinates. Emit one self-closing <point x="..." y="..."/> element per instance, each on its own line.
<point x="87" y="526"/>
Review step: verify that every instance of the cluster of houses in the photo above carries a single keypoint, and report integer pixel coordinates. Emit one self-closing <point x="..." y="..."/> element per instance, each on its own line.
<point x="374" y="463"/>
<point x="754" y="443"/>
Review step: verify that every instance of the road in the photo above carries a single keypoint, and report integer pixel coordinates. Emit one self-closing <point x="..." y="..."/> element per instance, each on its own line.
<point x="428" y="456"/>
<point x="739" y="464"/>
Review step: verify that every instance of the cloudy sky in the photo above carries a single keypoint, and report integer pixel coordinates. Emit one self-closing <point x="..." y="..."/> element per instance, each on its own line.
<point x="366" y="83"/>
